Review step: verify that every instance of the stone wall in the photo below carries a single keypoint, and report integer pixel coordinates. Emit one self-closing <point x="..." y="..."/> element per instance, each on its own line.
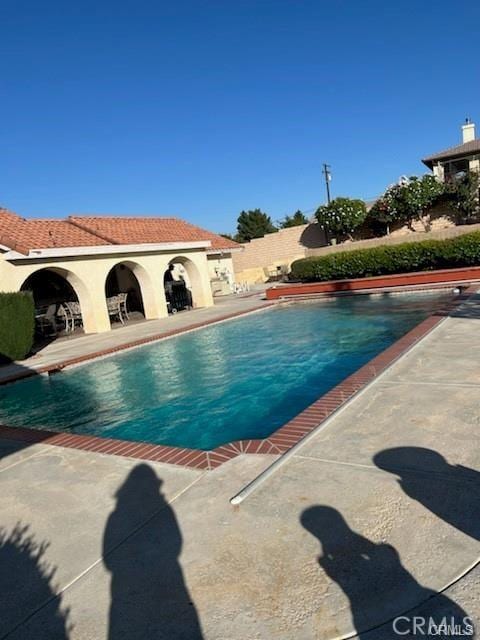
<point x="439" y="217"/>
<point x="261" y="257"/>
<point x="280" y="249"/>
<point x="436" y="234"/>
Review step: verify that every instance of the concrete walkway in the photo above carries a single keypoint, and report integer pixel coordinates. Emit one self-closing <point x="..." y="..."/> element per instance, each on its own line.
<point x="373" y="517"/>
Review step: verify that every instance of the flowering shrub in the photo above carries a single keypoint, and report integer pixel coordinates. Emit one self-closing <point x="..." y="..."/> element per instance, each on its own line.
<point x="342" y="216"/>
<point x="388" y="209"/>
<point x="407" y="201"/>
<point x="464" y="196"/>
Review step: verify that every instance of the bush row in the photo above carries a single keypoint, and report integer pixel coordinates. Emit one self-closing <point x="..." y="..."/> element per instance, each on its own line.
<point x="462" y="251"/>
<point x="17" y="321"/>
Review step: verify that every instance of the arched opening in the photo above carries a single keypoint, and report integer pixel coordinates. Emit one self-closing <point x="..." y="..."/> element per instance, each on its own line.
<point x="57" y="306"/>
<point x="124" y="292"/>
<point x="183" y="285"/>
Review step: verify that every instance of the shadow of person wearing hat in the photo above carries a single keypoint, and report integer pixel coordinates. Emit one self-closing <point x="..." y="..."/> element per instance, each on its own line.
<point x="149" y="597"/>
<point x="379" y="588"/>
<point x="450" y="491"/>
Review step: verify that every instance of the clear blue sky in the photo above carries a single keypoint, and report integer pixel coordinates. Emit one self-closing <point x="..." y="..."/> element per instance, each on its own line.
<point x="204" y="108"/>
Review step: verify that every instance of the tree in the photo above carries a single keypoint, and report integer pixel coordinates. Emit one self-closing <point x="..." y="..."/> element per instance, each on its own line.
<point x="341" y="217"/>
<point x="408" y="200"/>
<point x="253" y="224"/>
<point x="420" y="194"/>
<point x="464" y="196"/>
<point x="295" y="220"/>
<point x="386" y="210"/>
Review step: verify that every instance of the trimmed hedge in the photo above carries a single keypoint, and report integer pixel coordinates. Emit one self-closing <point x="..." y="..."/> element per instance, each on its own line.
<point x="427" y="255"/>
<point x="17" y="323"/>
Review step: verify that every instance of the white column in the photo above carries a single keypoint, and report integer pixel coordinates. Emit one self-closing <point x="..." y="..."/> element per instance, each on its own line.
<point x="474" y="165"/>
<point x="439" y="172"/>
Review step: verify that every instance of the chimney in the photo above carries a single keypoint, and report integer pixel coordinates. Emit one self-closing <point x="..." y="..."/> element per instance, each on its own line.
<point x="468" y="131"/>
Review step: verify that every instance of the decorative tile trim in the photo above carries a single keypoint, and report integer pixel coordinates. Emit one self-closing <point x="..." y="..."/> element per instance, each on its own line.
<point x="277" y="443"/>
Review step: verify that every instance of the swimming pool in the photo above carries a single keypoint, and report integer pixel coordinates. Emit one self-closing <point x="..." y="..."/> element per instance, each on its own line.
<point x="238" y="380"/>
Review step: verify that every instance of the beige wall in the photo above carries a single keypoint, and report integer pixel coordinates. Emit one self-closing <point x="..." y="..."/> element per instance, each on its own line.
<point x="439" y="234"/>
<point x="275" y="249"/>
<point x="439" y="172"/>
<point x="474" y="165"/>
<point x="87" y="276"/>
<point x="220" y="264"/>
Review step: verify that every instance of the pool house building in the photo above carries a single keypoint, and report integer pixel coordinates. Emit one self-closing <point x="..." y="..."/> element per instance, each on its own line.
<point x="107" y="267"/>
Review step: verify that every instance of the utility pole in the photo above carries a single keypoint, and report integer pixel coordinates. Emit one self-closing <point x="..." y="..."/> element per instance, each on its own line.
<point x="328" y="176"/>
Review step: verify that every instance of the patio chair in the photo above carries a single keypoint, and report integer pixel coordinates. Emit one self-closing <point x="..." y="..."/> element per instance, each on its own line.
<point x="114" y="308"/>
<point x="75" y="314"/>
<point x="45" y="318"/>
<point x="271" y="274"/>
<point x="64" y="314"/>
<point x="122" y="297"/>
<point x="236" y="287"/>
<point x="284" y="271"/>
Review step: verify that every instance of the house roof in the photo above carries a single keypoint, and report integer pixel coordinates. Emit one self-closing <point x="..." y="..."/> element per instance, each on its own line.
<point x="142" y="230"/>
<point x="23" y="235"/>
<point x="465" y="149"/>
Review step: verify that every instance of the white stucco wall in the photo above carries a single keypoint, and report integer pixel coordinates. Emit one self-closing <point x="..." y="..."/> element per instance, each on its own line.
<point x="219" y="264"/>
<point x="87" y="275"/>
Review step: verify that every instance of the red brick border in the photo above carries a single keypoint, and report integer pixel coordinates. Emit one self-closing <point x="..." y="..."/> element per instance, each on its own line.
<point x="278" y="443"/>
<point x="441" y="276"/>
<point x="58" y="366"/>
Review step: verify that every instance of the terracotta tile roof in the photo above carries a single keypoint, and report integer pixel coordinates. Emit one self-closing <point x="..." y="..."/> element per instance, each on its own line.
<point x="23" y="235"/>
<point x="133" y="230"/>
<point x="465" y="149"/>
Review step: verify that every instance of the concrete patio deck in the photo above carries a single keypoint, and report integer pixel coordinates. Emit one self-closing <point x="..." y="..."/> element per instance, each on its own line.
<point x="369" y="520"/>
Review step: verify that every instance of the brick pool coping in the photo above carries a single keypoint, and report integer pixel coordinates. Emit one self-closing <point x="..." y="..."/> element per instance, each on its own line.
<point x="277" y="443"/>
<point x="68" y="362"/>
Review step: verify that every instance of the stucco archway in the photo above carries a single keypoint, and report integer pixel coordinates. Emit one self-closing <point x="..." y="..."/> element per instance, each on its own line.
<point x="51" y="285"/>
<point x="48" y="286"/>
<point x="186" y="270"/>
<point x="133" y="279"/>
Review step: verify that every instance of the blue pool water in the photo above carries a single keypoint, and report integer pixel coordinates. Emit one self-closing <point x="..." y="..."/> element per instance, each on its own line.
<point x="240" y="379"/>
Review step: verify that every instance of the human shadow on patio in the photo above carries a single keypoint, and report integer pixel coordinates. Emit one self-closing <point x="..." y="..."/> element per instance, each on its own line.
<point x="371" y="575"/>
<point x="149" y="597"/>
<point x="454" y="496"/>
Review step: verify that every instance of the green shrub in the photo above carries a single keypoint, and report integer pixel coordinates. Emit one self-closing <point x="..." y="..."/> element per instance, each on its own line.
<point x="17" y="321"/>
<point x="463" y="251"/>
